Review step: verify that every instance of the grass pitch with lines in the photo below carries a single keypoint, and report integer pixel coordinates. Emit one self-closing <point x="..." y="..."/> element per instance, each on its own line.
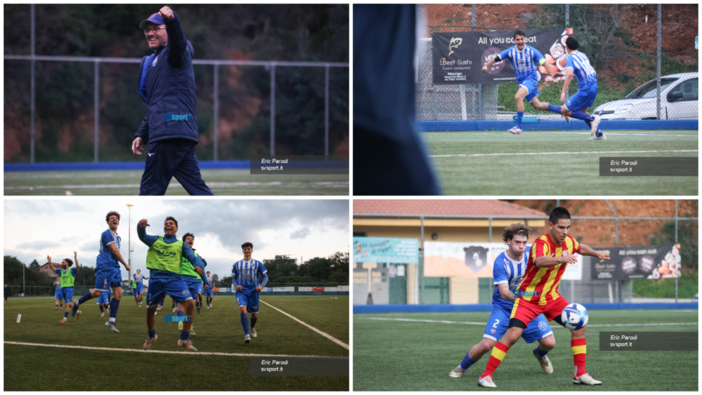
<point x="126" y="182"/>
<point x="417" y="356"/>
<point x="554" y="162"/>
<point x="32" y="368"/>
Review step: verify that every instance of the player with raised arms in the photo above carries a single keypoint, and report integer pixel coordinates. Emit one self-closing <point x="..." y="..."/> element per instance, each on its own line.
<point x="508" y="272"/>
<point x="164" y="259"/>
<point x="68" y="277"/>
<point x="191" y="278"/>
<point x="209" y="289"/>
<point x="58" y="296"/>
<point x="245" y="280"/>
<point x="525" y="61"/>
<point x="576" y="106"/>
<point x="139" y="289"/>
<point x="548" y="258"/>
<point x="107" y="270"/>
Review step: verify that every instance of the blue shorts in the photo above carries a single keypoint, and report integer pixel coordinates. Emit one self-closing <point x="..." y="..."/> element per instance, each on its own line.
<point x="104" y="279"/>
<point x="176" y="288"/>
<point x="208" y="292"/>
<point x="250" y="301"/>
<point x="499" y="320"/>
<point x="199" y="288"/>
<point x="58" y="294"/>
<point x="530" y="85"/>
<point x="104" y="298"/>
<point x="582" y="99"/>
<point x="139" y="289"/>
<point x="67" y="294"/>
<point x="192" y="287"/>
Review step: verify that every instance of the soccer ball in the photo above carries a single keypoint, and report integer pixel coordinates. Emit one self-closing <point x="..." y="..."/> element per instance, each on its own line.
<point x="574" y="316"/>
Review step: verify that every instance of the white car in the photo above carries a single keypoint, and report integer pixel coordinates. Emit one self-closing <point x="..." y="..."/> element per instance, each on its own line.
<point x="679" y="100"/>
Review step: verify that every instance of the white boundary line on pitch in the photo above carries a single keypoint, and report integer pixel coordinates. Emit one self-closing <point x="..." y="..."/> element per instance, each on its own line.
<point x="559" y="153"/>
<point x="222" y="354"/>
<point x="328" y="336"/>
<point x="333" y="184"/>
<point x="483" y="323"/>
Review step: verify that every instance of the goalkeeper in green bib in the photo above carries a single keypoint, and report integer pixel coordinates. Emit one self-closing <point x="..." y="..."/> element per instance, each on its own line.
<point x="164" y="260"/>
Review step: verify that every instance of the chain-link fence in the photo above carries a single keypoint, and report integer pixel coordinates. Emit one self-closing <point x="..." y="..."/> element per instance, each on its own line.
<point x="75" y="98"/>
<point x="645" y="57"/>
<point x="406" y="284"/>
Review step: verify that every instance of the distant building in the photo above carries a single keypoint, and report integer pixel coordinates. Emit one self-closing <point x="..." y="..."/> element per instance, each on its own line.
<point x="46" y="268"/>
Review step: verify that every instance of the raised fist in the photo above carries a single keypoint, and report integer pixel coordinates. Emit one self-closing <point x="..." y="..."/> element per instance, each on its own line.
<point x="166" y="13"/>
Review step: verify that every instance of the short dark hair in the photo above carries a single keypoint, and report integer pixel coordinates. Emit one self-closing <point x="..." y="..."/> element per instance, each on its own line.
<point x="70" y="262"/>
<point x="519" y="32"/>
<point x="207" y="272"/>
<point x="172" y="219"/>
<point x="515" y="229"/>
<point x="247" y="244"/>
<point x="185" y="236"/>
<point x="572" y="43"/>
<point x="558" y="213"/>
<point x="111" y="213"/>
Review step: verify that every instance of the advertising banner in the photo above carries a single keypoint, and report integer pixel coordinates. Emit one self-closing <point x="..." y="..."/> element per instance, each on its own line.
<point x="279" y="289"/>
<point x="626" y="263"/>
<point x="458" y="58"/>
<point x="385" y="250"/>
<point x="443" y="259"/>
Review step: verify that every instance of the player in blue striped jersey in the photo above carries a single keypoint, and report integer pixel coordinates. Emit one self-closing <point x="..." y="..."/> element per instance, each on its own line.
<point x="525" y="61"/>
<point x="139" y="290"/>
<point x="578" y="65"/>
<point x="107" y="270"/>
<point x="58" y="296"/>
<point x="245" y="280"/>
<point x="209" y="290"/>
<point x="508" y="271"/>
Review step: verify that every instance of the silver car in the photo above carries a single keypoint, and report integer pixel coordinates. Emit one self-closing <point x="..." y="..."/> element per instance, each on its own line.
<point x="679" y="100"/>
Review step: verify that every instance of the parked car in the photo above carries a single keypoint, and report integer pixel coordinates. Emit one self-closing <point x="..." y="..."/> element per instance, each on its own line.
<point x="679" y="100"/>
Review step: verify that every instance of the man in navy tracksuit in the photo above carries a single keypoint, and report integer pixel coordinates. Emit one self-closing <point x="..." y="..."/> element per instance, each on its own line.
<point x="167" y="85"/>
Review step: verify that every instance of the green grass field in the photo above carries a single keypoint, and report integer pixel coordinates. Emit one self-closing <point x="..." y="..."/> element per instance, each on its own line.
<point x="33" y="368"/>
<point x="554" y="162"/>
<point x="126" y="182"/>
<point x="411" y="355"/>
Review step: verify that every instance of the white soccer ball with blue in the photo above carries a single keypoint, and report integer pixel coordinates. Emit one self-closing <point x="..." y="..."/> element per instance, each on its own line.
<point x="574" y="316"/>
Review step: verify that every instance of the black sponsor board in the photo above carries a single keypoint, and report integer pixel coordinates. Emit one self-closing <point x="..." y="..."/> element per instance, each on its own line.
<point x="299" y="366"/>
<point x="299" y="164"/>
<point x="648" y="166"/>
<point x="626" y="263"/>
<point x="458" y="58"/>
<point x="648" y="341"/>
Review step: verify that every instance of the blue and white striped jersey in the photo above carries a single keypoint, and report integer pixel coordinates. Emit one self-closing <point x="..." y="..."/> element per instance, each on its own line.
<point x="525" y="62"/>
<point x="139" y="278"/>
<point x="210" y="280"/>
<point x="246" y="274"/>
<point x="506" y="270"/>
<point x="582" y="69"/>
<point x="105" y="259"/>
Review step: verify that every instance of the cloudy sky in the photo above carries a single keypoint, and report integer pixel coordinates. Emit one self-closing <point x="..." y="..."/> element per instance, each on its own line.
<point x="302" y="229"/>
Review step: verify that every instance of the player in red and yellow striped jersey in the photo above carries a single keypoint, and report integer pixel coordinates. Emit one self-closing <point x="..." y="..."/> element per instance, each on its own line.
<point x="538" y="294"/>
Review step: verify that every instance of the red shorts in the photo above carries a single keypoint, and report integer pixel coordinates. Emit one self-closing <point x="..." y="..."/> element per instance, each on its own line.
<point x="525" y="311"/>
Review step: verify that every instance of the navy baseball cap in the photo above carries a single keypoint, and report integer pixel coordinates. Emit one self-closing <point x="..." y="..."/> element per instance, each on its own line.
<point x="154" y="18"/>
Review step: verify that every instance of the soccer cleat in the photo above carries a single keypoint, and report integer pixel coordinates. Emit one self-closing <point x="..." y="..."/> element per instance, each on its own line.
<point x="486" y="382"/>
<point x="586" y="379"/>
<point x="544" y="362"/>
<point x="253" y="332"/>
<point x="192" y="332"/>
<point x="63" y="321"/>
<point x="603" y="137"/>
<point x="112" y="327"/>
<point x="457" y="372"/>
<point x="247" y="339"/>
<point x="174" y="310"/>
<point x="78" y="315"/>
<point x="593" y="124"/>
<point x="186" y="344"/>
<point x="149" y="342"/>
<point x="515" y="130"/>
<point x="74" y="309"/>
<point x="56" y="308"/>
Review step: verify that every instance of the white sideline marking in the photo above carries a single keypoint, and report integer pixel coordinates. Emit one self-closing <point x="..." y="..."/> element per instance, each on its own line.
<point x="483" y="323"/>
<point x="560" y="153"/>
<point x="328" y="336"/>
<point x="331" y="184"/>
<point x="223" y="354"/>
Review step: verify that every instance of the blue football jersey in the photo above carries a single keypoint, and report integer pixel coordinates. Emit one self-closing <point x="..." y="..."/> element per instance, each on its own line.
<point x="139" y="278"/>
<point x="505" y="269"/>
<point x="525" y="62"/>
<point x="105" y="259"/>
<point x="584" y="72"/>
<point x="246" y="274"/>
<point x="210" y="280"/>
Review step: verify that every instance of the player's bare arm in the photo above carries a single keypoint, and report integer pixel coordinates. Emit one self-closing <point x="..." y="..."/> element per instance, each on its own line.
<point x="488" y="64"/>
<point x="505" y="292"/>
<point x="115" y="252"/>
<point x="75" y="258"/>
<point x="547" y="261"/>
<point x="566" y="82"/>
<point x="586" y="250"/>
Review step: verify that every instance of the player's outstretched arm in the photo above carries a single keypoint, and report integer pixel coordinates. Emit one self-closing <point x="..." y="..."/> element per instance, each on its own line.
<point x="115" y="252"/>
<point x="177" y="43"/>
<point x="547" y="261"/>
<point x="75" y="258"/>
<point x="566" y="82"/>
<point x="586" y="250"/>
<point x="52" y="264"/>
<point x="506" y="294"/>
<point x="141" y="232"/>
<point x="488" y="65"/>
